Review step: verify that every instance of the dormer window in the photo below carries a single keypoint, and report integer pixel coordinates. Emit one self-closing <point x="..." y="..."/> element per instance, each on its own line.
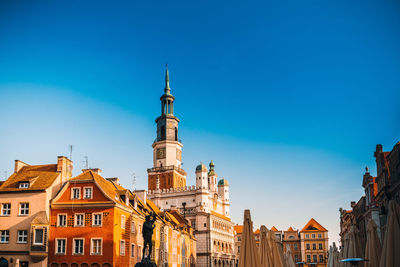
<point x="23" y="185"/>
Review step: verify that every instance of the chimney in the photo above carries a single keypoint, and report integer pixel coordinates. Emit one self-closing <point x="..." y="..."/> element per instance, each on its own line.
<point x="142" y="194"/>
<point x="352" y="204"/>
<point x="115" y="180"/>
<point x="95" y="170"/>
<point x="64" y="166"/>
<point x="379" y="148"/>
<point x="18" y="165"/>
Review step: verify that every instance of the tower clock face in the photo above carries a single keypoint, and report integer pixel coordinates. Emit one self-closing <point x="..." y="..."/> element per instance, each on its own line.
<point x="161" y="153"/>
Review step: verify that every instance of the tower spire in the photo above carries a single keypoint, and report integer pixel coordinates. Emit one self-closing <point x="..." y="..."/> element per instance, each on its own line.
<point x="167" y="89"/>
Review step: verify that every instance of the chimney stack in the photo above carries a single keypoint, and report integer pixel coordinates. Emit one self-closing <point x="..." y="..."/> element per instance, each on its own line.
<point x="95" y="170"/>
<point x="142" y="194"/>
<point x="64" y="166"/>
<point x="115" y="180"/>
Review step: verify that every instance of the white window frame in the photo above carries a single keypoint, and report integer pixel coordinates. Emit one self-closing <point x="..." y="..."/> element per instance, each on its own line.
<point x="34" y="236"/>
<point x="6" y="235"/>
<point x="58" y="219"/>
<point x="319" y="235"/>
<point x="123" y="221"/>
<point x="92" y="246"/>
<point x="122" y="251"/>
<point x="73" y="246"/>
<point x="72" y="193"/>
<point x="3" y="209"/>
<point x="56" y="252"/>
<point x="76" y="220"/>
<point x="84" y="192"/>
<point x="18" y="236"/>
<point x="101" y="219"/>
<point x="133" y="227"/>
<point x="20" y="209"/>
<point x="23" y="185"/>
<point x="132" y="250"/>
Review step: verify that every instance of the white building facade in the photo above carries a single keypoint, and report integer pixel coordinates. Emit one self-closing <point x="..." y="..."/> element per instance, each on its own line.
<point x="205" y="205"/>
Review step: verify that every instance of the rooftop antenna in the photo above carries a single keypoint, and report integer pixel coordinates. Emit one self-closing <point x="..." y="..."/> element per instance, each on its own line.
<point x="6" y="175"/>
<point x="70" y="151"/>
<point x="134" y="181"/>
<point x="86" y="161"/>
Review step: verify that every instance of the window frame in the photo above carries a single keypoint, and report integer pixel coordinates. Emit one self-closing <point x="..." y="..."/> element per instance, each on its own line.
<point x="2" y="209"/>
<point x="56" y="252"/>
<point x="92" y="246"/>
<point x="132" y="250"/>
<point x="20" y="209"/>
<point x="76" y="220"/>
<point x="123" y="221"/>
<point x="7" y="236"/>
<point x="122" y="252"/>
<point x="133" y="227"/>
<point x="58" y="219"/>
<point x="23" y="183"/>
<point x="74" y="246"/>
<point x="91" y="192"/>
<point x="72" y="193"/>
<point x="18" y="236"/>
<point x="34" y="236"/>
<point x="93" y="219"/>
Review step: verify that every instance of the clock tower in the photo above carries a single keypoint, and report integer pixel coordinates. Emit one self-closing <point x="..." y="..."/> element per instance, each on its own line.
<point x="167" y="148"/>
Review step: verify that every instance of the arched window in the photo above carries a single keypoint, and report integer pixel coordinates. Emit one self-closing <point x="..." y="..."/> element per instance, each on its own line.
<point x="176" y="134"/>
<point x="162" y="132"/>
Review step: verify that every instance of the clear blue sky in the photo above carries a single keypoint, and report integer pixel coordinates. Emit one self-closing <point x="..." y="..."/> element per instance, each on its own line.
<point x="289" y="98"/>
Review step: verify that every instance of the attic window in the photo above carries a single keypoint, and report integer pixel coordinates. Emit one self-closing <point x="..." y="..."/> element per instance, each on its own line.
<point x="23" y="185"/>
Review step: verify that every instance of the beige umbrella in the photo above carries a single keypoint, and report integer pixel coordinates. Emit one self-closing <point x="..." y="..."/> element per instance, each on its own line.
<point x="265" y="249"/>
<point x="289" y="259"/>
<point x="335" y="262"/>
<point x="390" y="256"/>
<point x="331" y="257"/>
<point x="276" y="251"/>
<point x="373" y="248"/>
<point x="248" y="252"/>
<point x="353" y="246"/>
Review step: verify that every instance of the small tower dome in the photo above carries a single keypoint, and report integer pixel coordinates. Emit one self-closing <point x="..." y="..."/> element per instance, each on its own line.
<point x="201" y="168"/>
<point x="223" y="182"/>
<point x="212" y="171"/>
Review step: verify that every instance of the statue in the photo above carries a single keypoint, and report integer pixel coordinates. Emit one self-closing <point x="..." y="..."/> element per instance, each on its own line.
<point x="147" y="233"/>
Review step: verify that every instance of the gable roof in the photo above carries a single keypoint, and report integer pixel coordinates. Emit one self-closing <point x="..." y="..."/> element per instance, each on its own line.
<point x="274" y="229"/>
<point x="40" y="177"/>
<point x="290" y="229"/>
<point x="238" y="229"/>
<point x="313" y="225"/>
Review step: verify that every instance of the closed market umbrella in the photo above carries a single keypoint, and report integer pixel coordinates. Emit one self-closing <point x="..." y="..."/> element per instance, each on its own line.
<point x="390" y="256"/>
<point x="248" y="252"/>
<point x="277" y="254"/>
<point x="373" y="248"/>
<point x="289" y="259"/>
<point x="265" y="250"/>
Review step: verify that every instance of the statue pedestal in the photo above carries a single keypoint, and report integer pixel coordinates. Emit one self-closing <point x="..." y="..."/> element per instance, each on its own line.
<point x="146" y="263"/>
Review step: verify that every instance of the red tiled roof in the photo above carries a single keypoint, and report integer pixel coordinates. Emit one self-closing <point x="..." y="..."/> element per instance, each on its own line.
<point x="313" y="225"/>
<point x="238" y="229"/>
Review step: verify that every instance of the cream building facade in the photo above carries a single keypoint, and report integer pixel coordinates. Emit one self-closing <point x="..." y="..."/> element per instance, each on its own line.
<point x="205" y="205"/>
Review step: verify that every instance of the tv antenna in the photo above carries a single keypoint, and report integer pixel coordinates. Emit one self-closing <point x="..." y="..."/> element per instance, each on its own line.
<point x="70" y="151"/>
<point x="134" y="181"/>
<point x="6" y="175"/>
<point x="86" y="162"/>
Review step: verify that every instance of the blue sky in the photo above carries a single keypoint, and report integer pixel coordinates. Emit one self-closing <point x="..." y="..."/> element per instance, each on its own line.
<point x="289" y="98"/>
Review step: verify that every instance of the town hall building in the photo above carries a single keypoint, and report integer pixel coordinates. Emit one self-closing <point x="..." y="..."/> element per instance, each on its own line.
<point x="204" y="205"/>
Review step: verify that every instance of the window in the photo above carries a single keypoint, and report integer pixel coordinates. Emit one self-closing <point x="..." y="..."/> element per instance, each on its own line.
<point x="314" y="246"/>
<point x="313" y="235"/>
<point x="61" y="244"/>
<point x="87" y="192"/>
<point x="319" y="235"/>
<point x="239" y="238"/>
<point x="133" y="251"/>
<point x="24" y="209"/>
<point x="308" y="246"/>
<point x="22" y="236"/>
<point x="4" y="236"/>
<point x="78" y="246"/>
<point x="307" y="235"/>
<point x="295" y="246"/>
<point x="122" y="247"/>
<point x="79" y="219"/>
<point x="97" y="219"/>
<point x="296" y="258"/>
<point x="123" y="221"/>
<point x="320" y="246"/>
<point x="6" y="209"/>
<point x="62" y="220"/>
<point x="314" y="258"/>
<point x="308" y="258"/>
<point x="38" y="240"/>
<point x="194" y="224"/>
<point x="23" y="185"/>
<point x="133" y="227"/>
<point x="96" y="246"/>
<point x="75" y="193"/>
<point x="321" y="258"/>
